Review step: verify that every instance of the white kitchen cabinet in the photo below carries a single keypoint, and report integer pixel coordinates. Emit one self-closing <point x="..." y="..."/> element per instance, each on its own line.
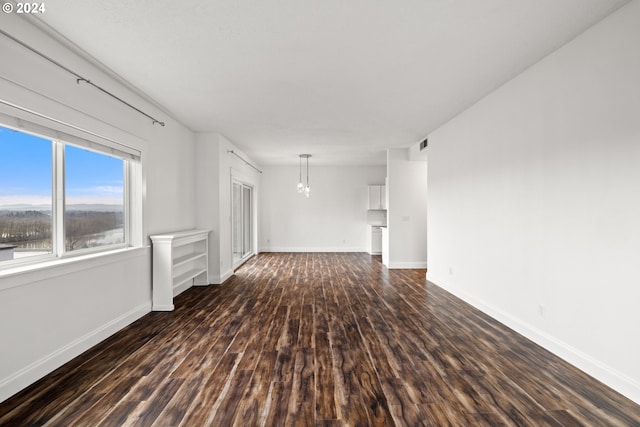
<point x="180" y="260"/>
<point x="376" y="241"/>
<point x="377" y="197"/>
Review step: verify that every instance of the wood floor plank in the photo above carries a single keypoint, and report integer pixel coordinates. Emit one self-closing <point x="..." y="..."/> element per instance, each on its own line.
<point x="318" y="339"/>
<point x="252" y="406"/>
<point x="175" y="410"/>
<point x="151" y="409"/>
<point x="278" y="405"/>
<point x="203" y="405"/>
<point x="325" y="380"/>
<point x="226" y="412"/>
<point x="302" y="400"/>
<point x="118" y="416"/>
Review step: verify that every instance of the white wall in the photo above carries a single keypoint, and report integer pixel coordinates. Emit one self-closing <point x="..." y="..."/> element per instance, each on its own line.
<point x="407" y="210"/>
<point x="534" y="202"/>
<point x="215" y="168"/>
<point x="50" y="315"/>
<point x="333" y="219"/>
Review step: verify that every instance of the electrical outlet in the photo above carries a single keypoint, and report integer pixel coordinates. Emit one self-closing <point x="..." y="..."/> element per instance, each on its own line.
<point x="450" y="270"/>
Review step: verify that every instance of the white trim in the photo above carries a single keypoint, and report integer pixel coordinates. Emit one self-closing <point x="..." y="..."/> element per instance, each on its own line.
<point x="58" y="143"/>
<point x="241" y="178"/>
<point x="216" y="280"/>
<point x="315" y="249"/>
<point x="38" y="369"/>
<point x="60" y="117"/>
<point x="253" y="231"/>
<point x="163" y="307"/>
<point x="90" y="141"/>
<point x="407" y="265"/>
<point x="602" y="372"/>
<point x="29" y="274"/>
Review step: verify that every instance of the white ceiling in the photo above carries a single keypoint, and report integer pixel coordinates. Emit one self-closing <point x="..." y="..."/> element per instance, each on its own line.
<point x="340" y="79"/>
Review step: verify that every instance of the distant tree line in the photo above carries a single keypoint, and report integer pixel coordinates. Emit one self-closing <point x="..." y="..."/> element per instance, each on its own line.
<point x="25" y="226"/>
<point x="80" y="224"/>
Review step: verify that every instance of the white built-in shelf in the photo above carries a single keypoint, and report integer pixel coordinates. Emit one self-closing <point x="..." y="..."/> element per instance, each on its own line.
<point x="187" y="259"/>
<point x="180" y="260"/>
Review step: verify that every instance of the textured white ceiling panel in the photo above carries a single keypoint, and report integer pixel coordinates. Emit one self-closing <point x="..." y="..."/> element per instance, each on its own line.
<point x="342" y="79"/>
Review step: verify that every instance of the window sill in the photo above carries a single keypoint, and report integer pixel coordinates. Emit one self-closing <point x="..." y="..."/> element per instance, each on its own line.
<point x="27" y="274"/>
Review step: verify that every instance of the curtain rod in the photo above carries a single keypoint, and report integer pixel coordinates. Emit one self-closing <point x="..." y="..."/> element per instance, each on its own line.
<point x="79" y="78"/>
<point x="246" y="162"/>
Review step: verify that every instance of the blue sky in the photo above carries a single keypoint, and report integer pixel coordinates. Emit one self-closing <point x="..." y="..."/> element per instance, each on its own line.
<point x="25" y="172"/>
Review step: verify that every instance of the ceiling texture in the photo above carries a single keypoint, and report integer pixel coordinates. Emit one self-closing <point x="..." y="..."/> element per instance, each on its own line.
<point x="340" y="79"/>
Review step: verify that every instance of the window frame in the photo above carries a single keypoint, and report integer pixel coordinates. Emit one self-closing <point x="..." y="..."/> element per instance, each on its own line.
<point x="125" y="214"/>
<point x="131" y="181"/>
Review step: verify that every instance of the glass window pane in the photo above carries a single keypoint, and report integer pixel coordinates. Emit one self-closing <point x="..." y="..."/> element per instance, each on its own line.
<point x="237" y="222"/>
<point x="246" y="224"/>
<point x="94" y="199"/>
<point x="25" y="195"/>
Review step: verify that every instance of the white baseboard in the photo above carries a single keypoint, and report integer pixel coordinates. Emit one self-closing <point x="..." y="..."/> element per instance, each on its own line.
<point x="602" y="372"/>
<point x="407" y="265"/>
<point x="314" y="249"/>
<point x="38" y="369"/>
<point x="216" y="280"/>
<point x="163" y="307"/>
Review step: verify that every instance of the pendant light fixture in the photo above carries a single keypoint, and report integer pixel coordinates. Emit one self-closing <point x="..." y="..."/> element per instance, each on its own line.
<point x="307" y="189"/>
<point x="300" y="184"/>
<point x="301" y="187"/>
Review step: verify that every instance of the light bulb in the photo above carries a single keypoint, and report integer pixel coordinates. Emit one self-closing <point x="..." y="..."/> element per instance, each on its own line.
<point x="300" y="187"/>
<point x="307" y="191"/>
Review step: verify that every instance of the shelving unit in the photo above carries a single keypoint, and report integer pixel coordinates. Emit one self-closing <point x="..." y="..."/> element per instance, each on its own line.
<point x="180" y="260"/>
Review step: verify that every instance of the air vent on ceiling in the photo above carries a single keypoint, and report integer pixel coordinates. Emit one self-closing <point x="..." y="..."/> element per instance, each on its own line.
<point x="424" y="144"/>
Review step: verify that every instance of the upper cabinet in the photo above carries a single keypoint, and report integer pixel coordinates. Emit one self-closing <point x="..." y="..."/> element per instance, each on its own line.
<point x="377" y="197"/>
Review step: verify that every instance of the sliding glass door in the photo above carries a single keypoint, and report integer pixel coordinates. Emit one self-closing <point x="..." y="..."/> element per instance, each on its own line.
<point x="242" y="220"/>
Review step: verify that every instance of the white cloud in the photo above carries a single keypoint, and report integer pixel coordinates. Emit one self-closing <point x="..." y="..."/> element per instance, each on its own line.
<point x="94" y="200"/>
<point x="25" y="199"/>
<point x="104" y="194"/>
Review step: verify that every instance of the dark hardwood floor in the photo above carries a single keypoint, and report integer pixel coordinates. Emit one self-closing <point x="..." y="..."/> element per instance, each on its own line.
<point x="318" y="339"/>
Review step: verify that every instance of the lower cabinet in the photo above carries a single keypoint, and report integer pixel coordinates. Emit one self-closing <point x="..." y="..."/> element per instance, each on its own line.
<point x="376" y="241"/>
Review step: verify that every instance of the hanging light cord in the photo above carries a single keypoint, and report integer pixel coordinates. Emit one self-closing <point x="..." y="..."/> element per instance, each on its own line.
<point x="78" y="77"/>
<point x="307" y="171"/>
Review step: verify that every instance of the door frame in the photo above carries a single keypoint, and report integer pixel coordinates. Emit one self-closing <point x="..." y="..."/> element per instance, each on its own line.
<point x="237" y="180"/>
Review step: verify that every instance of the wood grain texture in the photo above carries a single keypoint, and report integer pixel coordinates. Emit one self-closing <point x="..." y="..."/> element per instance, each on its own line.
<point x="318" y="339"/>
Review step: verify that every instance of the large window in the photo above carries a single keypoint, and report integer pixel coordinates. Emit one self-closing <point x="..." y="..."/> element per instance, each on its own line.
<point x="94" y="199"/>
<point x="59" y="198"/>
<point x="25" y="195"/>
